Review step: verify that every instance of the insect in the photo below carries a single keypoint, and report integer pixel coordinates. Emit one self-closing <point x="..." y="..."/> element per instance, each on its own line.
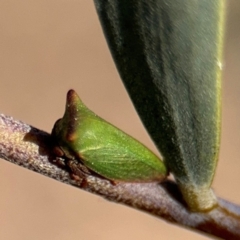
<point x="103" y="148"/>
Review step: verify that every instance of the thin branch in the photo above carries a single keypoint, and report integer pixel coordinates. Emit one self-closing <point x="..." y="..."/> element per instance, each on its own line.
<point x="31" y="148"/>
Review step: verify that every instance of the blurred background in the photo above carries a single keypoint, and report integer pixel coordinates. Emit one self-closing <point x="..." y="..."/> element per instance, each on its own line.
<point x="50" y="46"/>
